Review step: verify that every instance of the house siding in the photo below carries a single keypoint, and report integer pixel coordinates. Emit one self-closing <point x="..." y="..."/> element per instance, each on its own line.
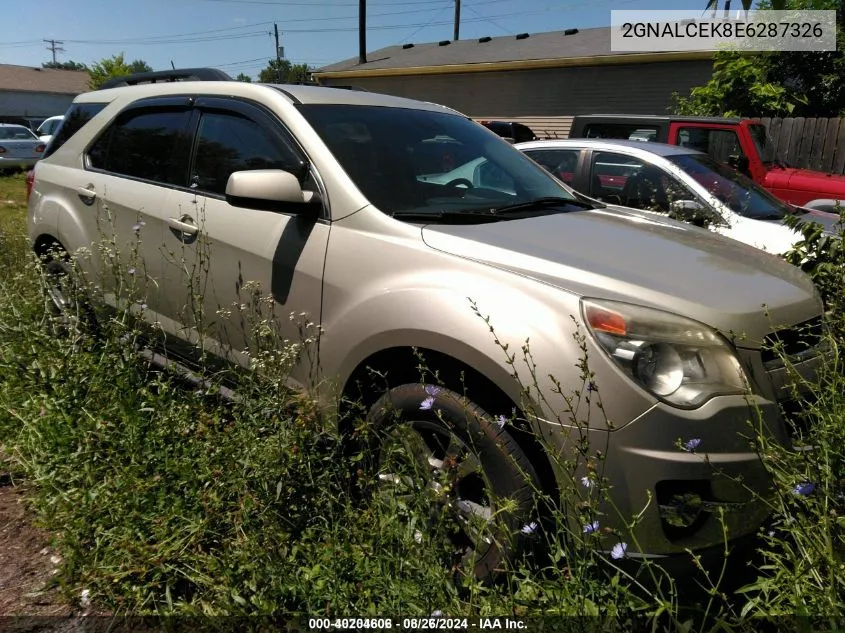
<point x="632" y="89"/>
<point x="33" y="104"/>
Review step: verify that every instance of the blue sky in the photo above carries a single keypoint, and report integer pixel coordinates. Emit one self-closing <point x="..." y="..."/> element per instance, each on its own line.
<point x="235" y="35"/>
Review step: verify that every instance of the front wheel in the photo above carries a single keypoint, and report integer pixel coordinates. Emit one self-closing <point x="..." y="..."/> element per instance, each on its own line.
<point x="430" y="440"/>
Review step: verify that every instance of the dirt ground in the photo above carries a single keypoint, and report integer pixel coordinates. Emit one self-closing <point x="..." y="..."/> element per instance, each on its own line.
<point x="27" y="562"/>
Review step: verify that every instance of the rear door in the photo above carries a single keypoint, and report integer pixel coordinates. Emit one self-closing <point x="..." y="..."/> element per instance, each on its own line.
<point x="124" y="197"/>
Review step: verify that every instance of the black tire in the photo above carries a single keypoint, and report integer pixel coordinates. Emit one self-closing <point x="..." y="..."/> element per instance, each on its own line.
<point x="71" y="314"/>
<point x="461" y="435"/>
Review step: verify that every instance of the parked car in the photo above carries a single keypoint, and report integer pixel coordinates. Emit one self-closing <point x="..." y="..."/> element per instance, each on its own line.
<point x="19" y="147"/>
<point x="515" y="132"/>
<point x="330" y="200"/>
<point x="49" y="127"/>
<point x="742" y="143"/>
<point x="667" y="179"/>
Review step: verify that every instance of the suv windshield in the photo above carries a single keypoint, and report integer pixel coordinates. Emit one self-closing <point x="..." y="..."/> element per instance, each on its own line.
<point x="428" y="162"/>
<point x="739" y="193"/>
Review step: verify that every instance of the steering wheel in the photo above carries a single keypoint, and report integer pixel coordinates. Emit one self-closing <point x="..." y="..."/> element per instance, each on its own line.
<point x="460" y="181"/>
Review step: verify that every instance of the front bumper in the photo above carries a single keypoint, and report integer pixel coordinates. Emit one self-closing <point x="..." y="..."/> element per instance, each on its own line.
<point x="683" y="499"/>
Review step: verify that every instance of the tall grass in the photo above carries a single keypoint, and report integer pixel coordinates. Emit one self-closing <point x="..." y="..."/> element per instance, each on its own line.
<point x="166" y="499"/>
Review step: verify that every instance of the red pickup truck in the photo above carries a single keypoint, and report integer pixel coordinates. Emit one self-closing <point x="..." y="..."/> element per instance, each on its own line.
<point x="742" y="143"/>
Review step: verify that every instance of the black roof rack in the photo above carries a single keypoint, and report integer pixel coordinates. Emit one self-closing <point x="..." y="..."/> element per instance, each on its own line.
<point x="185" y="74"/>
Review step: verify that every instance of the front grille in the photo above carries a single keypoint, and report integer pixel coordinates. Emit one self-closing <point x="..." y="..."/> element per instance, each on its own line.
<point x="793" y="341"/>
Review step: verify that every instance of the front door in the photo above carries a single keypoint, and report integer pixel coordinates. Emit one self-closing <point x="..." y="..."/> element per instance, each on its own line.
<point x="242" y="278"/>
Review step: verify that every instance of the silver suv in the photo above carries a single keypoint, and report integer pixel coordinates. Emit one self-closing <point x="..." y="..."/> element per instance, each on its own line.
<point x="379" y="219"/>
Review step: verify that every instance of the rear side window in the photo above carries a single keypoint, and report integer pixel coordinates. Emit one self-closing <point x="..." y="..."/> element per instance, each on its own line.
<point x="77" y="115"/>
<point x="148" y="144"/>
<point x="719" y="143"/>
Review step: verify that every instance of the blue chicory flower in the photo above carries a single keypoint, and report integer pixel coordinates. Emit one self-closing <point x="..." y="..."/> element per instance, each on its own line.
<point x="618" y="551"/>
<point x="586" y="481"/>
<point x="591" y="527"/>
<point x="529" y="528"/>
<point x="691" y="445"/>
<point x="432" y="390"/>
<point x="804" y="488"/>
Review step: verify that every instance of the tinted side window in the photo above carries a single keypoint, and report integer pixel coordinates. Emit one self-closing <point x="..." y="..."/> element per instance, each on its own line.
<point x="145" y="144"/>
<point x="630" y="131"/>
<point x="720" y="144"/>
<point x="77" y="115"/>
<point x="228" y="143"/>
<point x="635" y="183"/>
<point x="561" y="163"/>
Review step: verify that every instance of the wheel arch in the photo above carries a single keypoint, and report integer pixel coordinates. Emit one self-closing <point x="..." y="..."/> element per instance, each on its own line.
<point x="405" y="364"/>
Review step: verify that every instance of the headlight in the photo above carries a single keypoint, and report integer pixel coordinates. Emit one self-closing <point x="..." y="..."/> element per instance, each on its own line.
<point x="681" y="361"/>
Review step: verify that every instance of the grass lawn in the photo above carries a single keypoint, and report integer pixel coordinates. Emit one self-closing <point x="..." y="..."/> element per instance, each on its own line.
<point x="13" y="202"/>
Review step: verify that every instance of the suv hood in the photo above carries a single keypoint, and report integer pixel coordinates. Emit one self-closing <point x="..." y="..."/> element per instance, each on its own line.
<point x="629" y="256"/>
<point x="829" y="185"/>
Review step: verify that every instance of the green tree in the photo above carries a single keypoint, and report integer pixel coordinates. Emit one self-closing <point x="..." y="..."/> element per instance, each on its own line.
<point x="284" y="72"/>
<point x="243" y="77"/>
<point x="783" y="83"/>
<point x="69" y="65"/>
<point x="115" y="66"/>
<point x="739" y="86"/>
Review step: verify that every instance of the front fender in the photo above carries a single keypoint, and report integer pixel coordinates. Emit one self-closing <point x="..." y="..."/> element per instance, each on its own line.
<point x="537" y="339"/>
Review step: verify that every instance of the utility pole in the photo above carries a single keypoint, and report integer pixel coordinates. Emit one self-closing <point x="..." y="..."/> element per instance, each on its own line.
<point x="457" y="19"/>
<point x="362" y="31"/>
<point x="278" y="55"/>
<point x="55" y="47"/>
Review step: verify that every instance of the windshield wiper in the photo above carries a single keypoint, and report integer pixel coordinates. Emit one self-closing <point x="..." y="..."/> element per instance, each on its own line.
<point x="469" y="216"/>
<point x="543" y="203"/>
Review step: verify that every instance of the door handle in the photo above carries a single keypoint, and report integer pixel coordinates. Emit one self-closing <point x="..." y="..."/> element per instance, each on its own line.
<point x="184" y="228"/>
<point x="87" y="195"/>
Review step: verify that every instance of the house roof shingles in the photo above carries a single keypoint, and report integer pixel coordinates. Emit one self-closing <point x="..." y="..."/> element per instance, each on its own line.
<point x="50" y="80"/>
<point x="551" y="45"/>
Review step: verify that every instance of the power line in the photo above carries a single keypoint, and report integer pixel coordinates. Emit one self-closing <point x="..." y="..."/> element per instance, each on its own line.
<point x="496" y="24"/>
<point x="169" y="38"/>
<point x="186" y="40"/>
<point x="55" y="47"/>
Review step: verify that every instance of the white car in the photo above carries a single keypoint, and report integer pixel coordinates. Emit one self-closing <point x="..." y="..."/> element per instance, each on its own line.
<point x="47" y="130"/>
<point x="671" y="179"/>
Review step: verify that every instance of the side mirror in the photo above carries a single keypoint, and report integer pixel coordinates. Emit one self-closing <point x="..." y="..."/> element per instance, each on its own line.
<point x="686" y="207"/>
<point x="269" y="190"/>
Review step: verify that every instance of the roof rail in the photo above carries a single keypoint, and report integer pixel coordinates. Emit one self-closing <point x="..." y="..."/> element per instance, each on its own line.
<point x="356" y="88"/>
<point x="185" y="74"/>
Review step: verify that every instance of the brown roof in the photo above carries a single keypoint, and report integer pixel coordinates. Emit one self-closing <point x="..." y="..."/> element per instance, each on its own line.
<point x="30" y="79"/>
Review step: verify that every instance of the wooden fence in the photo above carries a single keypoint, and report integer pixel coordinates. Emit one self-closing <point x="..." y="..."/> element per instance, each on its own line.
<point x="817" y="144"/>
